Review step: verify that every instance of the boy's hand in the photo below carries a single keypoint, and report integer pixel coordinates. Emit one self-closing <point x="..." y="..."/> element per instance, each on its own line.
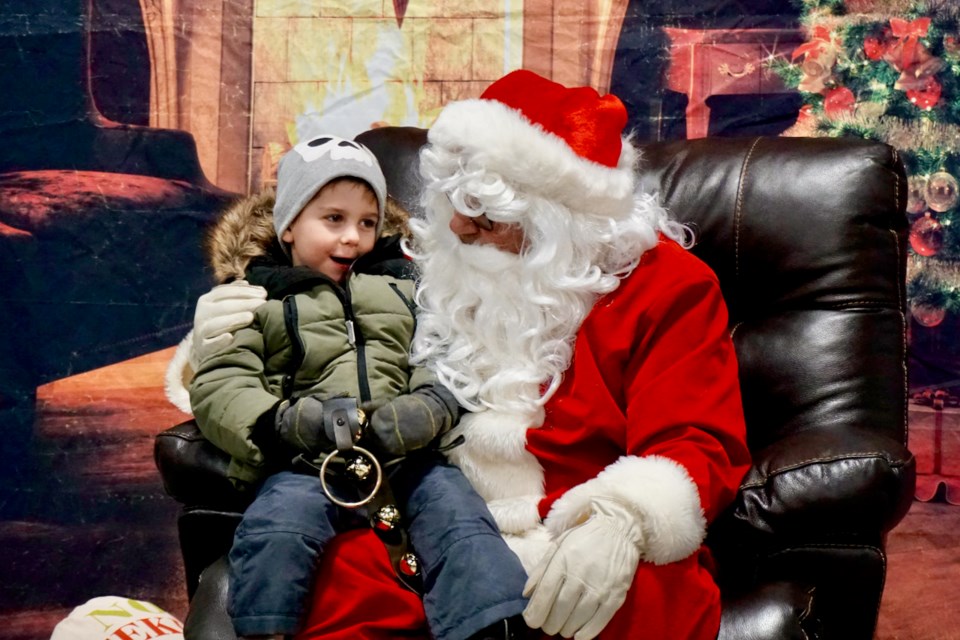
<point x="312" y="426"/>
<point x="299" y="424"/>
<point x="412" y="421"/>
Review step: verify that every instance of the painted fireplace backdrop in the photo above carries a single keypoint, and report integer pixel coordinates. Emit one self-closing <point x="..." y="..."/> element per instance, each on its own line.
<point x="248" y="79"/>
<point x="127" y="125"/>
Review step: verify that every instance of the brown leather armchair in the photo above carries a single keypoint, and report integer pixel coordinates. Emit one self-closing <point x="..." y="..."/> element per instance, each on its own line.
<point x="807" y="237"/>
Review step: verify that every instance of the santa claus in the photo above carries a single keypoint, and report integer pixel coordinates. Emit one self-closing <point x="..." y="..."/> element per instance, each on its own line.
<point x="592" y="350"/>
<point x="561" y="307"/>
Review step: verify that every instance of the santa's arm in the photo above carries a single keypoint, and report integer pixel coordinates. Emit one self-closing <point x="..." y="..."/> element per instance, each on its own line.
<point x="685" y="442"/>
<point x="685" y="455"/>
<point x="220" y="312"/>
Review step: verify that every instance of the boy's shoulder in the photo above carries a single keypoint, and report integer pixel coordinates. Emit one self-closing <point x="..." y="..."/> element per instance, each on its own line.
<point x="379" y="284"/>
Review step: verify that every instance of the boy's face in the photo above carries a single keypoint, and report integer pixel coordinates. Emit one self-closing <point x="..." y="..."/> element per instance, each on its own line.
<point x="335" y="228"/>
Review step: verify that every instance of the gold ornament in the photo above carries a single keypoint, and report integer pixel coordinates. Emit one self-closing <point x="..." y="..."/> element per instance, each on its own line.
<point x="941" y="191"/>
<point x="916" y="194"/>
<point x="359" y="468"/>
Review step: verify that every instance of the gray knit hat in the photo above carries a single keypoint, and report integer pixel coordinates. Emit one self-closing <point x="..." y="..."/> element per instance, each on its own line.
<point x="310" y="165"/>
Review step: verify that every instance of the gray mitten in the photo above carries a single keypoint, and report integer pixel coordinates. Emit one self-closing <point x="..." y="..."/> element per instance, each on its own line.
<point x="299" y="424"/>
<point x="412" y="421"/>
<point x="312" y="426"/>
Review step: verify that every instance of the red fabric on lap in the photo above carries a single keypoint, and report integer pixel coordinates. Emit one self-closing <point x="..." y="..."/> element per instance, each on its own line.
<point x="357" y="596"/>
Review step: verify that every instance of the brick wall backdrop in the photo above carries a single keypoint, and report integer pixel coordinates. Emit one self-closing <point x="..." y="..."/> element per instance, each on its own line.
<point x="354" y="62"/>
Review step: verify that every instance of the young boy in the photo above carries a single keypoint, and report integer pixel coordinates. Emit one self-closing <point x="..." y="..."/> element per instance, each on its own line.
<point x="336" y="326"/>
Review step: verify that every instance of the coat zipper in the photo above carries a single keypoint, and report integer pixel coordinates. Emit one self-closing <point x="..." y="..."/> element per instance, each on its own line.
<point x="291" y="320"/>
<point x="354" y="337"/>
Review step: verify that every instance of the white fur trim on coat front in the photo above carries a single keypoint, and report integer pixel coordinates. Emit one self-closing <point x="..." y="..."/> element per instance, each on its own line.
<point x="537" y="161"/>
<point x="495" y="459"/>
<point x="529" y="546"/>
<point x="658" y="490"/>
<point x="178" y="373"/>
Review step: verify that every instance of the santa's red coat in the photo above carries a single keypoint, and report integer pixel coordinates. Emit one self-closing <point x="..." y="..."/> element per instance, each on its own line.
<point x="653" y="379"/>
<point x="649" y="413"/>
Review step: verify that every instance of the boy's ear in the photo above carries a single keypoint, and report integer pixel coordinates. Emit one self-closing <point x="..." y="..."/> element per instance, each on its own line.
<point x="287" y="236"/>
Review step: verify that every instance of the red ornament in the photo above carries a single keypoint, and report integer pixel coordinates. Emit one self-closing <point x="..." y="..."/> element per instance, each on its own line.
<point x="873" y="48"/>
<point x="838" y="102"/>
<point x="926" y="97"/>
<point x="926" y="236"/>
<point x="928" y="315"/>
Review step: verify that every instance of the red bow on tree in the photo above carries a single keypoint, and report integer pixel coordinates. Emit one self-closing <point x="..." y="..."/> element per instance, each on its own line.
<point x="909" y="34"/>
<point x="819" y="40"/>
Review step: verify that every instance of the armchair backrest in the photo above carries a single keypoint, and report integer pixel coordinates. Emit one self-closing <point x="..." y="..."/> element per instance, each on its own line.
<point x="808" y="239"/>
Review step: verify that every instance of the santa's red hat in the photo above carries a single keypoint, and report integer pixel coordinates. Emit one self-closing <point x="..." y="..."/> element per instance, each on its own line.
<point x="563" y="143"/>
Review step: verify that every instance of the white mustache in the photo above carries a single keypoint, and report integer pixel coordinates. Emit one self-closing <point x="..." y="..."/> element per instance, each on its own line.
<point x="487" y="258"/>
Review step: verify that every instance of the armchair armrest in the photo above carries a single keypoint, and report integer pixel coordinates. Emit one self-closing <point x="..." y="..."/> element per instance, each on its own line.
<point x="825" y="483"/>
<point x="194" y="471"/>
<point x="781" y="610"/>
<point x="109" y="147"/>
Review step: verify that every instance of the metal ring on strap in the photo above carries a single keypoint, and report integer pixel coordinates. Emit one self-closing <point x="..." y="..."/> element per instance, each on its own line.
<point x="359" y="503"/>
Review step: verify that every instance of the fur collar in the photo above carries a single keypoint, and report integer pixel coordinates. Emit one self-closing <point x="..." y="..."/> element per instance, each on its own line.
<point x="243" y="232"/>
<point x="243" y="244"/>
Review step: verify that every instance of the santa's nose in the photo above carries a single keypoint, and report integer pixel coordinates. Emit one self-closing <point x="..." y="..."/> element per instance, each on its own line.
<point x="463" y="226"/>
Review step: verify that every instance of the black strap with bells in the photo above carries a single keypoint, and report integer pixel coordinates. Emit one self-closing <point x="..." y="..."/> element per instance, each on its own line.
<point x="353" y="478"/>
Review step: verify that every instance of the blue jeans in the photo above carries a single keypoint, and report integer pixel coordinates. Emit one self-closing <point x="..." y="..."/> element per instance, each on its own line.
<point x="471" y="578"/>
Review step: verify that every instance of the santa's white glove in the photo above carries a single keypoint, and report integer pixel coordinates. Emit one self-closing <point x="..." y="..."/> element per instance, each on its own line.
<point x="586" y="573"/>
<point x="220" y="312"/>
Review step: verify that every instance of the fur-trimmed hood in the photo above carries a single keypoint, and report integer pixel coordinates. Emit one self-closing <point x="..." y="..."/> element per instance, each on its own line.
<point x="243" y="232"/>
<point x="243" y="236"/>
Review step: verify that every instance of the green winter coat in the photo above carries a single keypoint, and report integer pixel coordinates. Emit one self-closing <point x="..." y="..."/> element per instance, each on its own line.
<point x="311" y="337"/>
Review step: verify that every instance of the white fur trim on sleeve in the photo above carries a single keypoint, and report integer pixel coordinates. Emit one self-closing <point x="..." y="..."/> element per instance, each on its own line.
<point x="178" y="372"/>
<point x="658" y="490"/>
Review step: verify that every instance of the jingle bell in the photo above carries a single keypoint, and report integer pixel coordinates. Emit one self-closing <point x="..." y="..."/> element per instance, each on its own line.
<point x="387" y="518"/>
<point x="409" y="564"/>
<point x="359" y="468"/>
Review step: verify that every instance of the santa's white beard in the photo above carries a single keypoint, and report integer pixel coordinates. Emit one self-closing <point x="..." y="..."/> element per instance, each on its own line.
<point x="496" y="330"/>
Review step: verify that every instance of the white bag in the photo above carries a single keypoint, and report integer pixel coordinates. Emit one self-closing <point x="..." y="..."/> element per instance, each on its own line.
<point x="118" y="618"/>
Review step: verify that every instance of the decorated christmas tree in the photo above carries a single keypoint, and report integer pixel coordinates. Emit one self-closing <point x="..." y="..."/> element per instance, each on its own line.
<point x="890" y="70"/>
